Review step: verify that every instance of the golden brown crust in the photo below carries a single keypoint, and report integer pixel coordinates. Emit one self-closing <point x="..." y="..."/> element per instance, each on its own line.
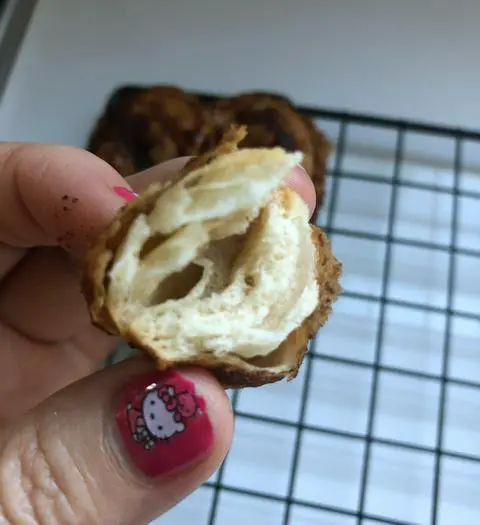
<point x="141" y="127"/>
<point x="233" y="372"/>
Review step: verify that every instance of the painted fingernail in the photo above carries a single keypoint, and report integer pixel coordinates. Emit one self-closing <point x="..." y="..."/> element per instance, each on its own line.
<point x="164" y="423"/>
<point x="125" y="193"/>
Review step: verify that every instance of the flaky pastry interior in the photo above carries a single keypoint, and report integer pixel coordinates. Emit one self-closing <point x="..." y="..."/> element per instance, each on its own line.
<point x="219" y="268"/>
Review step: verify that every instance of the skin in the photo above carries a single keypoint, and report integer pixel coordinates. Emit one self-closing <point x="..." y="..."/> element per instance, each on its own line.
<point x="56" y="428"/>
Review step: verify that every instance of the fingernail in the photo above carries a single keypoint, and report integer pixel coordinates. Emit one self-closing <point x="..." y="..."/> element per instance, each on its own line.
<point x="125" y="193"/>
<point x="164" y="423"/>
<point x="297" y="173"/>
<point x="299" y="180"/>
<point x="298" y="168"/>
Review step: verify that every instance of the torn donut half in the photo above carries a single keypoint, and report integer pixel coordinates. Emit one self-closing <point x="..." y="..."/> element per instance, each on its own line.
<point x="218" y="268"/>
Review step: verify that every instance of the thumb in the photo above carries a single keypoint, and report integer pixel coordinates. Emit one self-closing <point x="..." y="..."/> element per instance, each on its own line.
<point x="120" y="447"/>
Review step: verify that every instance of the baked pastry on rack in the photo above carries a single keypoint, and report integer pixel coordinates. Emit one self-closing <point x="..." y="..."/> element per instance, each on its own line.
<point x="219" y="268"/>
<point x="142" y="126"/>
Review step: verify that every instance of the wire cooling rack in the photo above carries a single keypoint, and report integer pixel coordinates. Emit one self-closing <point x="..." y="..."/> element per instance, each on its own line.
<point x="382" y="425"/>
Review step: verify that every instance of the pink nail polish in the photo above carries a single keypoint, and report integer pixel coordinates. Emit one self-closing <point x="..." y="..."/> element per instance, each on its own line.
<point x="125" y="193"/>
<point x="164" y="423"/>
<point x="299" y="169"/>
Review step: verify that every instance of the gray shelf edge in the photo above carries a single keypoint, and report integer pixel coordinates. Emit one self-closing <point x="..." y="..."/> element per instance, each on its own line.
<point x="15" y="19"/>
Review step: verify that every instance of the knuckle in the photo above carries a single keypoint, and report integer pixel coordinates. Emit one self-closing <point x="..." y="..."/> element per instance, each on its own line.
<point x="40" y="483"/>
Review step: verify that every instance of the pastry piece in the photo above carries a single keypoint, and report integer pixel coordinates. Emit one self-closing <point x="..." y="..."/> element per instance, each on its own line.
<point x="219" y="268"/>
<point x="272" y="120"/>
<point x="143" y="126"/>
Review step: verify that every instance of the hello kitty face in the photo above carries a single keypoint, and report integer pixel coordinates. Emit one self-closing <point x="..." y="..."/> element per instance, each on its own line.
<point x="159" y="421"/>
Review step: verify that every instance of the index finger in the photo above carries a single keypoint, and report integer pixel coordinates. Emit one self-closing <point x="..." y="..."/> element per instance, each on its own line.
<point x="55" y="195"/>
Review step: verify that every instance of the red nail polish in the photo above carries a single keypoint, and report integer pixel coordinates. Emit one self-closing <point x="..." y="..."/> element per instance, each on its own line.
<point x="164" y="423"/>
<point x="125" y="193"/>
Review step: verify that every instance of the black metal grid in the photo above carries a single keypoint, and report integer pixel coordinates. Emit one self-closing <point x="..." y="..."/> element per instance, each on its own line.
<point x="401" y="128"/>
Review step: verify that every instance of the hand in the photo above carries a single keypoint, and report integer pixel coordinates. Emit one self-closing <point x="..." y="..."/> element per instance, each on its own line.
<point x="78" y="443"/>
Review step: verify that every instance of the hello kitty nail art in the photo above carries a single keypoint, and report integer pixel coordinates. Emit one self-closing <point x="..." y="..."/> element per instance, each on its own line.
<point x="163" y="422"/>
<point x="162" y="414"/>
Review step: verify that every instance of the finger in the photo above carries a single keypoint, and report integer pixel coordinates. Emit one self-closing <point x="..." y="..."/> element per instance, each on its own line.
<point x="38" y="370"/>
<point x="55" y="195"/>
<point x="120" y="447"/>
